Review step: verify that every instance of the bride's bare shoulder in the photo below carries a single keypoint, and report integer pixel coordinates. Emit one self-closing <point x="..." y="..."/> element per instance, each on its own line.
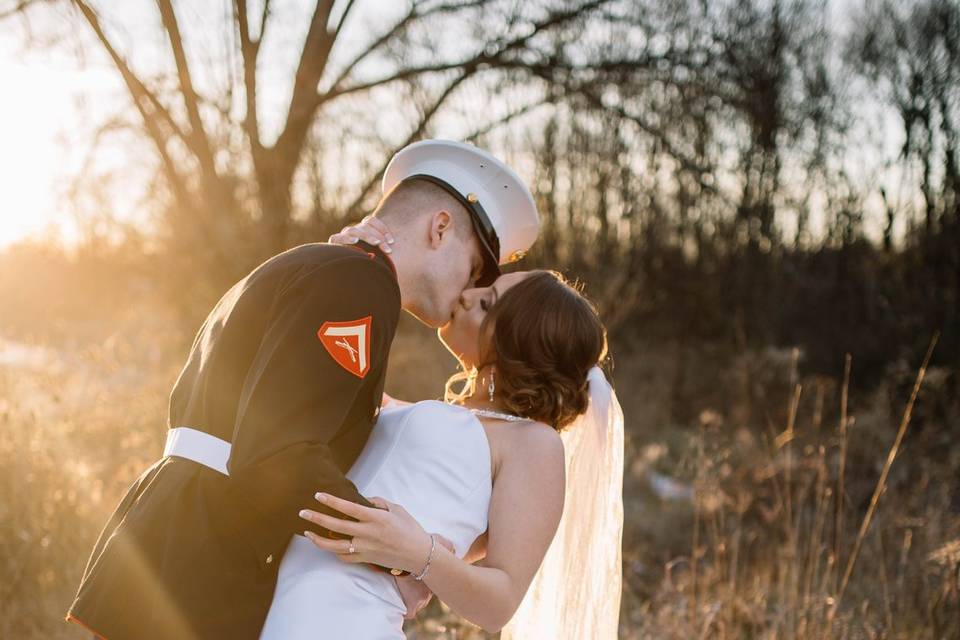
<point x="535" y="441"/>
<point x="435" y="409"/>
<point x="532" y="463"/>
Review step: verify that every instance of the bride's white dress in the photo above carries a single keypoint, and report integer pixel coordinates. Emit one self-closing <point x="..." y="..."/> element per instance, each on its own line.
<point x="430" y="457"/>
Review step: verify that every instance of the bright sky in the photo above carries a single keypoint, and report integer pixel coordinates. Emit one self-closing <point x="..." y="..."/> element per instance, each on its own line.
<point x="37" y="104"/>
<point x="51" y="103"/>
<point x="45" y="133"/>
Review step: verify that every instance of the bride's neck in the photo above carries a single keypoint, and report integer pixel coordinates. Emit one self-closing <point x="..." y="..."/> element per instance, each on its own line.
<point x="481" y="393"/>
<point x="479" y="401"/>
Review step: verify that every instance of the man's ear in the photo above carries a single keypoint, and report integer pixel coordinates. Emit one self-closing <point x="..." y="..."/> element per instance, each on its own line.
<point x="441" y="223"/>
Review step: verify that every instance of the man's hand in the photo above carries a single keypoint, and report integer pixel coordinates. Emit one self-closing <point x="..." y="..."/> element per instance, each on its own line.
<point x="416" y="595"/>
<point x="446" y="544"/>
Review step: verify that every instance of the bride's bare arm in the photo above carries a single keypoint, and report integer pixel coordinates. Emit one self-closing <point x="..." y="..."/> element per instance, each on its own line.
<point x="525" y="510"/>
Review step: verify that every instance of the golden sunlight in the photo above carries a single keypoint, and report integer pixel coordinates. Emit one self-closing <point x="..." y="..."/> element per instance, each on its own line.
<point x="35" y="104"/>
<point x="39" y="121"/>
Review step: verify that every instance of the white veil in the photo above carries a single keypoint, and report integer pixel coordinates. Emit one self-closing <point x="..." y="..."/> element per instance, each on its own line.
<point x="576" y="592"/>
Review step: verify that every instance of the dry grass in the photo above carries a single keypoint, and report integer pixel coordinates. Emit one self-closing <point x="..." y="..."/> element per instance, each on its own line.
<point x="770" y="556"/>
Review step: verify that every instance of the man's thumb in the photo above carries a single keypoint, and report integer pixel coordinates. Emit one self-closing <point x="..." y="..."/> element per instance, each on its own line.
<point x="379" y="503"/>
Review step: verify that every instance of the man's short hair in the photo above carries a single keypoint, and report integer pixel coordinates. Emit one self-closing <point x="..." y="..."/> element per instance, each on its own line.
<point x="413" y="198"/>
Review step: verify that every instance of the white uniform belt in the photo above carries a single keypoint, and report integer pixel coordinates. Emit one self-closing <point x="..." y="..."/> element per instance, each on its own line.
<point x="203" y="448"/>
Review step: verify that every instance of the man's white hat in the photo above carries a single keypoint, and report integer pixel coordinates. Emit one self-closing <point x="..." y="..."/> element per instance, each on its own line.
<point x="500" y="204"/>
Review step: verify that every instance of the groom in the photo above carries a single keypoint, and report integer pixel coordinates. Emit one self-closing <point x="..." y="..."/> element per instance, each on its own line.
<point x="279" y="394"/>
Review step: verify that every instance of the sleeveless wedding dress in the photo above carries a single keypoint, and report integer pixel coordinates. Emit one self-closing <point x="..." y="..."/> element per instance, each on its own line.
<point x="434" y="460"/>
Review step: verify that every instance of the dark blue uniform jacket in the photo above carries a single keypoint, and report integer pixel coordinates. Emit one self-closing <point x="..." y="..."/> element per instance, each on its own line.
<point x="192" y="553"/>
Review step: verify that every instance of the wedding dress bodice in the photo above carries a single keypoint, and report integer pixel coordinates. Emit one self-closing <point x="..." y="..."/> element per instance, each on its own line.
<point x="429" y="457"/>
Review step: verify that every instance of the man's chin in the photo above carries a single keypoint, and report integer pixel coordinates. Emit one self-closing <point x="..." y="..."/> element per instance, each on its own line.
<point x="433" y="323"/>
<point x="446" y="322"/>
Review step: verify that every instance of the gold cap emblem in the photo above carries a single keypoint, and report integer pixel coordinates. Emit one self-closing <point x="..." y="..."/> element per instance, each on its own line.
<point x="517" y="255"/>
<point x="471" y="198"/>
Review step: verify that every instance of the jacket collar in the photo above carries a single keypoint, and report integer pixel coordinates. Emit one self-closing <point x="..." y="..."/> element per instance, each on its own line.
<point x="375" y="253"/>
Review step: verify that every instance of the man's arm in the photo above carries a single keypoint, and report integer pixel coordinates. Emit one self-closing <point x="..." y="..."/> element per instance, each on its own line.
<point x="301" y="388"/>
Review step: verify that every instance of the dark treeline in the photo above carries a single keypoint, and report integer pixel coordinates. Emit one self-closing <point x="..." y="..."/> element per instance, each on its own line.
<point x="760" y="97"/>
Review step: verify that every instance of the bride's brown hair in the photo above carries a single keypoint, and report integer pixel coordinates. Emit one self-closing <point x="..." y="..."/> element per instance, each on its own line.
<point x="542" y="337"/>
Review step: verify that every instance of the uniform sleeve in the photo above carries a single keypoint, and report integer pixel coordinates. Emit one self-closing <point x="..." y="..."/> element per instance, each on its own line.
<point x="331" y="328"/>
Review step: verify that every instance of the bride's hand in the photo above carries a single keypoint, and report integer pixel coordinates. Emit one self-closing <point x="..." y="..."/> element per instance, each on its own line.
<point x="371" y="230"/>
<point x="388" y="535"/>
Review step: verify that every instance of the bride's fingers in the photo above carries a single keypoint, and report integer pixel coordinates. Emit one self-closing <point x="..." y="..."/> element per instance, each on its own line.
<point x="368" y="233"/>
<point x="339" y="547"/>
<point x="352" y="558"/>
<point x="382" y="227"/>
<point x="350" y="235"/>
<point x="352" y="509"/>
<point x="345" y="527"/>
<point x="342" y="238"/>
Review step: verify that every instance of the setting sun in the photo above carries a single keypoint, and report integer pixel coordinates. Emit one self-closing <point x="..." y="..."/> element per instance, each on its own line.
<point x="39" y="125"/>
<point x="37" y="102"/>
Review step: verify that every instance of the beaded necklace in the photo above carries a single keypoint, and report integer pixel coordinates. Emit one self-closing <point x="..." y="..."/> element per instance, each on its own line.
<point x="487" y="413"/>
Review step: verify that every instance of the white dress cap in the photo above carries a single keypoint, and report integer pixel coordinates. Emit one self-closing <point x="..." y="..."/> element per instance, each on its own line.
<point x="501" y="205"/>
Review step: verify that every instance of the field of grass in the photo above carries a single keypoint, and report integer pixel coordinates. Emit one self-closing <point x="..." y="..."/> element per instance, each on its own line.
<point x="732" y="530"/>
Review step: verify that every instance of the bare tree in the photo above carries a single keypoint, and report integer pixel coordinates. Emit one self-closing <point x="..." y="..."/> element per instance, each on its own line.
<point x="246" y="201"/>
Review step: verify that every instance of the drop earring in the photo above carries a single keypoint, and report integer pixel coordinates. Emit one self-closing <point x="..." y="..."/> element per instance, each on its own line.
<point x="491" y="387"/>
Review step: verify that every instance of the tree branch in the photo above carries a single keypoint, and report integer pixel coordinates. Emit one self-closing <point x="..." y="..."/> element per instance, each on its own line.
<point x="154" y="114"/>
<point x="589" y="93"/>
<point x="141" y="99"/>
<point x="404" y="74"/>
<point x="480" y="59"/>
<point x="398" y="28"/>
<point x="490" y="126"/>
<point x="424" y="120"/>
<point x="197" y="140"/>
<point x="249" y="50"/>
<point x="19" y="7"/>
<point x="343" y="19"/>
<point x="263" y="21"/>
<point x="469" y="67"/>
<point x="313" y="61"/>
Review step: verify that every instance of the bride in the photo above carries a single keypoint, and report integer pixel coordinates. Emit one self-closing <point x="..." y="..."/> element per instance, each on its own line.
<point x="485" y="473"/>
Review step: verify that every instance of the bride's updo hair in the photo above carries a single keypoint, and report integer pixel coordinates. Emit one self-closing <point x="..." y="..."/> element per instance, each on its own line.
<point x="542" y="337"/>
